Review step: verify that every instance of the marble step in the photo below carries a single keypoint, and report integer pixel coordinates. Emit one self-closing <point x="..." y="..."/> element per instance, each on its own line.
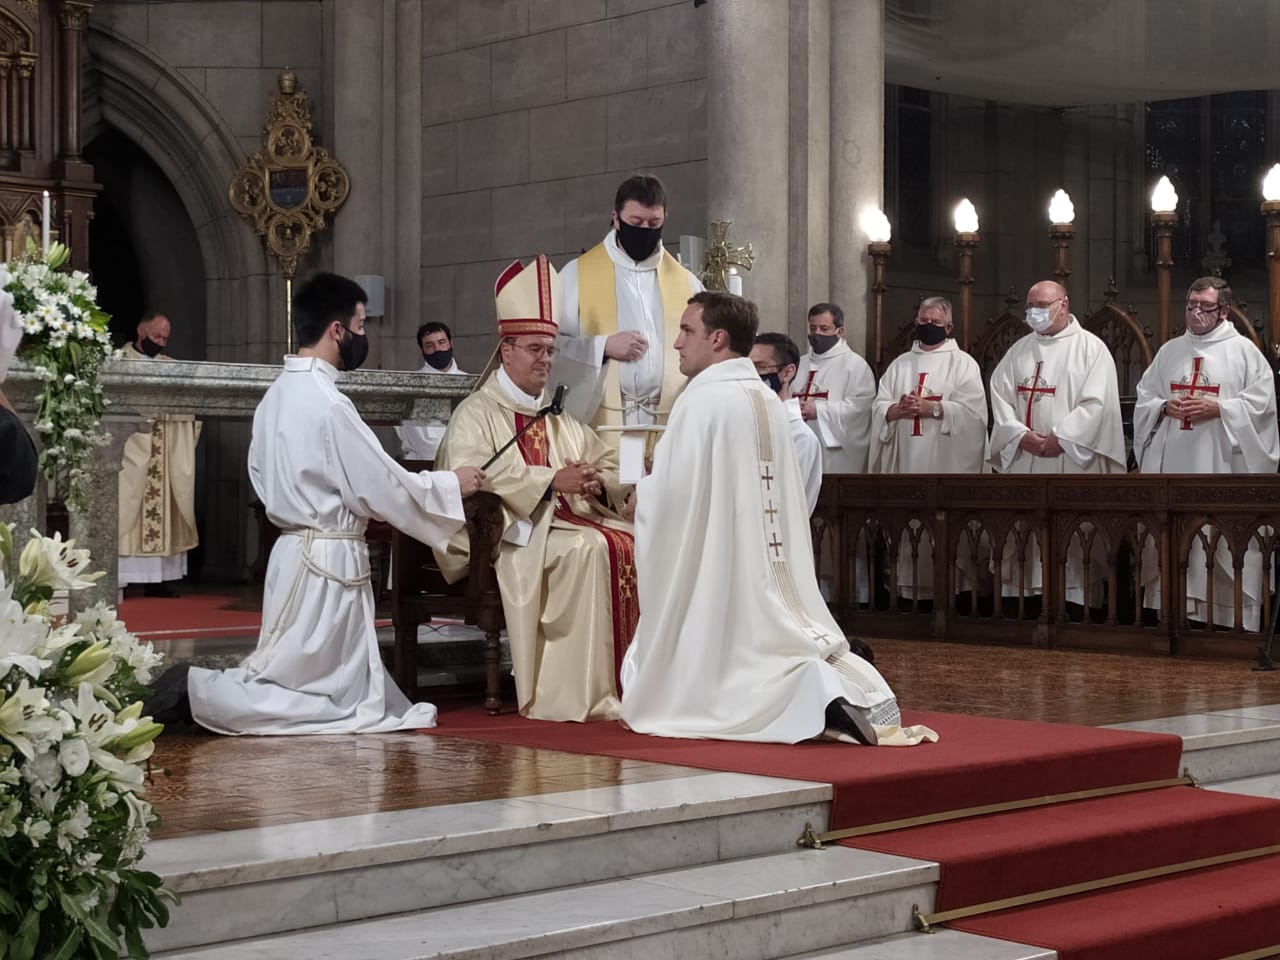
<point x="753" y="909"/>
<point x="294" y="876"/>
<point x="943" y="945"/>
<point x="1223" y="745"/>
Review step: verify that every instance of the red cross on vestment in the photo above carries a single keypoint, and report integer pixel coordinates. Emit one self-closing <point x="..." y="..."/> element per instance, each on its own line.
<point x="809" y="392"/>
<point x="1033" y="389"/>
<point x="915" y="424"/>
<point x="1196" y="384"/>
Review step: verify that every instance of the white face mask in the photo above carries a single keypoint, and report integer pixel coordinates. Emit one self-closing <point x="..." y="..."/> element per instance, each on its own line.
<point x="1039" y="319"/>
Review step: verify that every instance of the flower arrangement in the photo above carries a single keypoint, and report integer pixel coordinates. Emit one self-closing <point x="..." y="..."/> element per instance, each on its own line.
<point x="73" y="741"/>
<point x="65" y="339"/>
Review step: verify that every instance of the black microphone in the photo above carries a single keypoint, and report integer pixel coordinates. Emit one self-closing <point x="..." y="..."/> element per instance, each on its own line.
<point x="555" y="408"/>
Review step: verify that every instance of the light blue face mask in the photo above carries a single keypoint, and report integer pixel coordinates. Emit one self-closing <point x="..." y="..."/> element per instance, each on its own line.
<point x="1039" y="319"/>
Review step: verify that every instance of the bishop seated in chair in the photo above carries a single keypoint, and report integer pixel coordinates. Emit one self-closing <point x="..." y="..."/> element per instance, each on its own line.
<point x="566" y="565"/>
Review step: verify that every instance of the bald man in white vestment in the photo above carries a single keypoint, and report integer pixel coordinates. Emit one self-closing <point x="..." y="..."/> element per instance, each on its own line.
<point x="734" y="641"/>
<point x="1055" y="408"/>
<point x="322" y="474"/>
<point x="1207" y="404"/>
<point x="930" y="417"/>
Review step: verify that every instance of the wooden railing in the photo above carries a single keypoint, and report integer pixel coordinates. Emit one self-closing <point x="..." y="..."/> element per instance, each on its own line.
<point x="1124" y="533"/>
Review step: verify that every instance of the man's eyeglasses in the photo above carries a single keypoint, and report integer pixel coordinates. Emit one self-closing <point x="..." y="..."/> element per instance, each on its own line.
<point x="767" y="368"/>
<point x="1203" y="308"/>
<point x="538" y="351"/>
<point x="1042" y="304"/>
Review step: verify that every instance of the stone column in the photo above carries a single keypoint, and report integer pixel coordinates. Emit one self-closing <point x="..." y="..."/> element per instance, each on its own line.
<point x="857" y="152"/>
<point x="810" y="146"/>
<point x="357" y="141"/>
<point x="404" y="233"/>
<point x="98" y="525"/>
<point x="747" y="148"/>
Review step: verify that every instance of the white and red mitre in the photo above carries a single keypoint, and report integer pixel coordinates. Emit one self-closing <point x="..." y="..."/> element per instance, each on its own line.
<point x="527" y="299"/>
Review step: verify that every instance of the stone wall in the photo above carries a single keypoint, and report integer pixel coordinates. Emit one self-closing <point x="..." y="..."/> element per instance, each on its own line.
<point x="533" y="111"/>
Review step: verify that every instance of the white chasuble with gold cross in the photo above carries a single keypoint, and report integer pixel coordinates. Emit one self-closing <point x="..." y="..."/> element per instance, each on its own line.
<point x="735" y="641"/>
<point x="566" y="567"/>
<point x="1225" y="365"/>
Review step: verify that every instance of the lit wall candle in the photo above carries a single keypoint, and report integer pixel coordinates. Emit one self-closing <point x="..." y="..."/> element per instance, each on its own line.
<point x="45" y="216"/>
<point x="735" y="282"/>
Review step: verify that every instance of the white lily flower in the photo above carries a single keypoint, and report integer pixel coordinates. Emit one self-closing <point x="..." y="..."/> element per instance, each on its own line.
<point x="20" y="638"/>
<point x="25" y="721"/>
<point x="48" y="562"/>
<point x="73" y="754"/>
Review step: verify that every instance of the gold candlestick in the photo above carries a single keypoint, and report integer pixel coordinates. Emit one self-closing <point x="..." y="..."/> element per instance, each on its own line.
<point x="1164" y="221"/>
<point x="966" y="243"/>
<point x="1271" y="210"/>
<point x="1061" y="235"/>
<point x="880" y="257"/>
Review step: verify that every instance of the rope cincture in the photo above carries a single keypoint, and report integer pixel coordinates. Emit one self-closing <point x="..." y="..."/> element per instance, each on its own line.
<point x="309" y="536"/>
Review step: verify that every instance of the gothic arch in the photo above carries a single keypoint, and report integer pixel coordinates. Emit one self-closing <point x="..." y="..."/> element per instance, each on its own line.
<point x="171" y="121"/>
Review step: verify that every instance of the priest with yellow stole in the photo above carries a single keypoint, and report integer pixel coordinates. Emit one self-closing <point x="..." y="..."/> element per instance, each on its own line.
<point x="157" y="484"/>
<point x="621" y="315"/>
<point x="566" y="565"/>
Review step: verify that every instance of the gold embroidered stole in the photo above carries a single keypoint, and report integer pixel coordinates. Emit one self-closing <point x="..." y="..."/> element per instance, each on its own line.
<point x="598" y="313"/>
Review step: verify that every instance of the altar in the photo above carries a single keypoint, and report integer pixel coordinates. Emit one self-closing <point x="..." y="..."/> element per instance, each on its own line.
<point x="224" y="396"/>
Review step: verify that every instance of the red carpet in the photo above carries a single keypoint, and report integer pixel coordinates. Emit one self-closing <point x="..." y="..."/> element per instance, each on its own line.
<point x="1023" y="851"/>
<point x="191" y="615"/>
<point x="194" y="616"/>
<point x="1207" y="915"/>
<point x="976" y="761"/>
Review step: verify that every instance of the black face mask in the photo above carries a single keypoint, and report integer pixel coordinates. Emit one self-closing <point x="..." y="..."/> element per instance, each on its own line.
<point x="639" y="242"/>
<point x="822" y="342"/>
<point x="930" y="334"/>
<point x="150" y="347"/>
<point x="773" y="380"/>
<point x="353" y="350"/>
<point x="439" y="360"/>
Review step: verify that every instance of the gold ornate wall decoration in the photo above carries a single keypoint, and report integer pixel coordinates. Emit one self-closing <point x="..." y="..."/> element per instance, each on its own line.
<point x="288" y="188"/>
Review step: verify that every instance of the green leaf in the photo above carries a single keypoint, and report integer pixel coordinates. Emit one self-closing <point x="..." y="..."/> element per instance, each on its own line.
<point x="23" y="946"/>
<point x="68" y="948"/>
<point x="7" y="903"/>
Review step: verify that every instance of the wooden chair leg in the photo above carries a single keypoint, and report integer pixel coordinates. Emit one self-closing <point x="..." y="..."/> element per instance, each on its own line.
<point x="492" y="667"/>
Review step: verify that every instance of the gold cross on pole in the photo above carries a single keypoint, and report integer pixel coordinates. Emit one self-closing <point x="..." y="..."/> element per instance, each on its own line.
<point x="721" y="255"/>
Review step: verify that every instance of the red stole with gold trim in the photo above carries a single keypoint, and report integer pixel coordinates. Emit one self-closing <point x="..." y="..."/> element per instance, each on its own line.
<point x="622" y="547"/>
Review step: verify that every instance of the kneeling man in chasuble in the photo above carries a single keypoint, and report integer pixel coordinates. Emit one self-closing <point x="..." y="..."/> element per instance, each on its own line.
<point x="735" y="641"/>
<point x="1207" y="404"/>
<point x="1055" y="408"/>
<point x="322" y="474"/>
<point x="566" y="566"/>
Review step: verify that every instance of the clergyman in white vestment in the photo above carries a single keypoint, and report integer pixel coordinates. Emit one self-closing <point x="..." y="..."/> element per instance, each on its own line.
<point x="734" y="640"/>
<point x="777" y="358"/>
<point x="1055" y="408"/>
<point x="930" y="417"/>
<point x="620" y="314"/>
<point x="566" y="564"/>
<point x="421" y="439"/>
<point x="836" y="389"/>
<point x="321" y="474"/>
<point x="1207" y="404"/>
<point x="157" y="483"/>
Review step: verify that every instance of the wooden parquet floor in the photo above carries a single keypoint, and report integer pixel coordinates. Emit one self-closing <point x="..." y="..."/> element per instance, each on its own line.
<point x="204" y="782"/>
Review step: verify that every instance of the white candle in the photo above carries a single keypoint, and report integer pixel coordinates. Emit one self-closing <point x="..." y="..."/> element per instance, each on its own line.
<point x="45" y="216"/>
<point x="735" y="282"/>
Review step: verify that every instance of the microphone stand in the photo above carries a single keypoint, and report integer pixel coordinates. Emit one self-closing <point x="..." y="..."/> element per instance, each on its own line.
<point x="554" y="407"/>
